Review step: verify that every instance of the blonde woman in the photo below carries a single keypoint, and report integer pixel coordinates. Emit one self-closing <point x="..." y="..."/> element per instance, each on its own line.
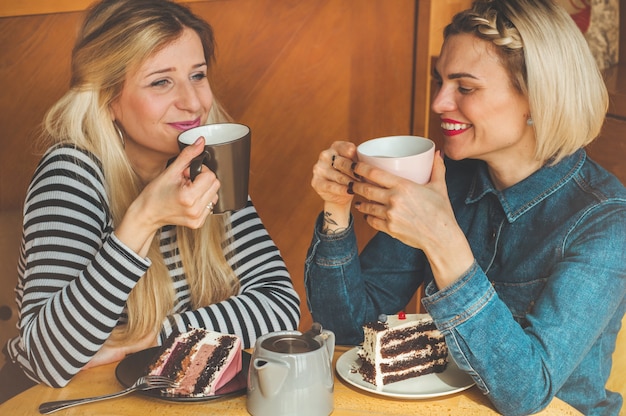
<point x="119" y="249"/>
<point x="519" y="238"/>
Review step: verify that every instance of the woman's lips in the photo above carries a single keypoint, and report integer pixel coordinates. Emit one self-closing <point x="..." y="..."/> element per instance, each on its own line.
<point x="453" y="127"/>
<point x="185" y="125"/>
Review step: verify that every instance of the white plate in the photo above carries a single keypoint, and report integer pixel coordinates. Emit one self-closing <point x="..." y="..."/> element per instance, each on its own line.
<point x="451" y="380"/>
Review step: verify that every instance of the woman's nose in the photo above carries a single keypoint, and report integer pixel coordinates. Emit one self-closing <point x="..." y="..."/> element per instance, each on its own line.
<point x="188" y="98"/>
<point x="443" y="101"/>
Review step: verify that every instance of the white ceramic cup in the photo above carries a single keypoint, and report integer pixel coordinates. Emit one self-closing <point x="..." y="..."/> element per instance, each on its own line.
<point x="410" y="157"/>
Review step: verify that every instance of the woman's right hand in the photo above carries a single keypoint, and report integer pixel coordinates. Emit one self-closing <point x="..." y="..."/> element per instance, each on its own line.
<point x="169" y="198"/>
<point x="333" y="177"/>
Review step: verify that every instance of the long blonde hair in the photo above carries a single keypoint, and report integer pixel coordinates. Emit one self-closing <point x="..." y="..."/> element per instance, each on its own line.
<point x="119" y="35"/>
<point x="548" y="61"/>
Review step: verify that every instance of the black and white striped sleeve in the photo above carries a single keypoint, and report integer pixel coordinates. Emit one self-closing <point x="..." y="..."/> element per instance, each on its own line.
<point x="75" y="276"/>
<point x="267" y="300"/>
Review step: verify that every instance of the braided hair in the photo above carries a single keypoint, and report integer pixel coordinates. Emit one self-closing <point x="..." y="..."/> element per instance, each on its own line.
<point x="549" y="62"/>
<point x="489" y="22"/>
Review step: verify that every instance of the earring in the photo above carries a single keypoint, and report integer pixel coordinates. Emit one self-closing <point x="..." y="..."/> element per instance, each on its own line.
<point x="119" y="133"/>
<point x="529" y="121"/>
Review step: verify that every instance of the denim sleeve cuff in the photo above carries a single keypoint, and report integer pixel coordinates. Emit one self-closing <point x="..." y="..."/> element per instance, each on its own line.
<point x="460" y="301"/>
<point x="334" y="245"/>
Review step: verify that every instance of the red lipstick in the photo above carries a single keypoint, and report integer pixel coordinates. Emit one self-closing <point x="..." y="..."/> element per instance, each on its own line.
<point x="452" y="127"/>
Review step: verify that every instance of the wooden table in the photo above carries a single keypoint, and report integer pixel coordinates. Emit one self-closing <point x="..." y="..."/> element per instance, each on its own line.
<point x="349" y="401"/>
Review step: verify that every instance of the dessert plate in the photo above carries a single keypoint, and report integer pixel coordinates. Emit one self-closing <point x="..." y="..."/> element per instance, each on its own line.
<point x="451" y="380"/>
<point x="136" y="365"/>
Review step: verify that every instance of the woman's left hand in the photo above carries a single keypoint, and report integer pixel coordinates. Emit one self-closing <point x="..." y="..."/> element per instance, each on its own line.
<point x="112" y="352"/>
<point x="403" y="209"/>
<point x="420" y="216"/>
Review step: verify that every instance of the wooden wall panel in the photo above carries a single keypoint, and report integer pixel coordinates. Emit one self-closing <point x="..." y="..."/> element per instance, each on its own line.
<point x="300" y="74"/>
<point x="34" y="7"/>
<point x="34" y="73"/>
<point x="313" y="73"/>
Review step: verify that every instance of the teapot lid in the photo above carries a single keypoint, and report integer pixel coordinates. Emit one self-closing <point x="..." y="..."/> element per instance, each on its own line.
<point x="290" y="344"/>
<point x="293" y="343"/>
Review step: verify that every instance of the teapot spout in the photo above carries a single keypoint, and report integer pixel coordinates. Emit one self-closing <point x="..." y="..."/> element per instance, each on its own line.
<point x="271" y="376"/>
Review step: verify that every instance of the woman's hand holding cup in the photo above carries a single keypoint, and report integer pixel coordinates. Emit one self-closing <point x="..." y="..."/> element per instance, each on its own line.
<point x="170" y="198"/>
<point x="186" y="200"/>
<point x="397" y="189"/>
<point x="333" y="180"/>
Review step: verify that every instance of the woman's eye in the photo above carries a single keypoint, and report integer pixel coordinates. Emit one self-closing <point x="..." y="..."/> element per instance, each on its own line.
<point x="159" y="83"/>
<point x="199" y="76"/>
<point x="464" y="91"/>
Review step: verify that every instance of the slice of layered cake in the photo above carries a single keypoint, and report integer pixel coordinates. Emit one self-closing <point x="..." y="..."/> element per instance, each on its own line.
<point x="201" y="361"/>
<point x="398" y="347"/>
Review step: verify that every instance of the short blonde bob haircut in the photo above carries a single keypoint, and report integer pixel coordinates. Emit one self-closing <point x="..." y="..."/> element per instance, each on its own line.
<point x="549" y="62"/>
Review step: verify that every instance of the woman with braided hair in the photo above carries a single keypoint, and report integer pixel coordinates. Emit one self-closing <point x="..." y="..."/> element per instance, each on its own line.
<point x="518" y="238"/>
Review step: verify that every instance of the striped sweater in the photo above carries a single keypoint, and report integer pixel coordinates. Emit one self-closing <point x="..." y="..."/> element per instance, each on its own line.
<point x="75" y="275"/>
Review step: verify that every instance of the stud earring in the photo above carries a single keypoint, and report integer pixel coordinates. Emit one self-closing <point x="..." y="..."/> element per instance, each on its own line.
<point x="529" y="121"/>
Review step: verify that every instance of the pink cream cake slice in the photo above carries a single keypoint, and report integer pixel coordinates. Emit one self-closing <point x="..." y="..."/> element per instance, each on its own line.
<point x="201" y="361"/>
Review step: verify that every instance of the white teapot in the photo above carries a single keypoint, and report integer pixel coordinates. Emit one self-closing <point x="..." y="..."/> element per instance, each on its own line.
<point x="291" y="373"/>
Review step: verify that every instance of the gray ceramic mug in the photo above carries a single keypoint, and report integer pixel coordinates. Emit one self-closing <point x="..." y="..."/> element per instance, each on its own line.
<point x="227" y="154"/>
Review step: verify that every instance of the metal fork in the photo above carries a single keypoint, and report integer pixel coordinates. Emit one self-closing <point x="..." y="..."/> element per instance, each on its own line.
<point x="143" y="383"/>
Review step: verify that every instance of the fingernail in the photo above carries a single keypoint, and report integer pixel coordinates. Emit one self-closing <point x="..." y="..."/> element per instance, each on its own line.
<point x="352" y="167"/>
<point x="350" y="191"/>
<point x="357" y="204"/>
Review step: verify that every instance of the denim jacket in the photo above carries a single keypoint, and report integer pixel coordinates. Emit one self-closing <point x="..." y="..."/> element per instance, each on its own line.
<point x="536" y="315"/>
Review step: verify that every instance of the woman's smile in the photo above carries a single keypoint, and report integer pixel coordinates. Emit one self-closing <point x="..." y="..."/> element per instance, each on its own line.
<point x="453" y="127"/>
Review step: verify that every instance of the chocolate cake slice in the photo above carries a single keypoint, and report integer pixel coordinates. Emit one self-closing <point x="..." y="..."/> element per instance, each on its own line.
<point x="401" y="347"/>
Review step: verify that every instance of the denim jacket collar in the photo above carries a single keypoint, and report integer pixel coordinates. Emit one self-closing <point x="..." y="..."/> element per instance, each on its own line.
<point x="519" y="198"/>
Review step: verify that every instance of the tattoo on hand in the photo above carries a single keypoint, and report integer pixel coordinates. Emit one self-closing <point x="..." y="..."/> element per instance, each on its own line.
<point x="327" y="227"/>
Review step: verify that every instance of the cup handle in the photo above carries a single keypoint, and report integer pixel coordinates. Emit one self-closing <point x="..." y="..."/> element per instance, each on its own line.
<point x="195" y="167"/>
